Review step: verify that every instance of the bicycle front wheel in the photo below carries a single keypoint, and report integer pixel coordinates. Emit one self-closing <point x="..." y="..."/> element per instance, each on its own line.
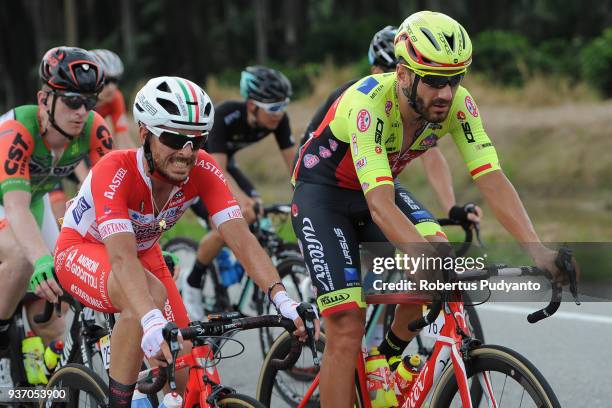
<point x="505" y="375"/>
<point x="239" y="400"/>
<point x="85" y="388"/>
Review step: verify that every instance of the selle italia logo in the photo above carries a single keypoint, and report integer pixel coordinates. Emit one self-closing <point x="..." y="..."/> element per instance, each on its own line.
<point x="329" y="300"/>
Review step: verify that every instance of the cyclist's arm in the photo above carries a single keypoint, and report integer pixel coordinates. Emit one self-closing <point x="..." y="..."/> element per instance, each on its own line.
<point x="439" y="176"/>
<point x="285" y="142"/>
<point x="129" y="273"/>
<point x="16" y="147"/>
<point x="289" y="155"/>
<point x="509" y="209"/>
<point x="391" y="220"/>
<point x="116" y="231"/>
<point x="23" y="224"/>
<point x="100" y="139"/>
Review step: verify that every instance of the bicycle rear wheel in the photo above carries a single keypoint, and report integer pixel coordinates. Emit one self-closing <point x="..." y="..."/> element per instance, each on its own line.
<point x="510" y="378"/>
<point x="85" y="388"/>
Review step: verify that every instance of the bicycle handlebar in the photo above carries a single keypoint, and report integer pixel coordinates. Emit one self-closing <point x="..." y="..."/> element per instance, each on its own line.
<point x="45" y="316"/>
<point x="226" y="322"/>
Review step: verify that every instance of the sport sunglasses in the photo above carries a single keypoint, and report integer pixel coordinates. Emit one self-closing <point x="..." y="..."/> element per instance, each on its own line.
<point x="274" y="107"/>
<point x="439" y="81"/>
<point x="75" y="100"/>
<point x="176" y="140"/>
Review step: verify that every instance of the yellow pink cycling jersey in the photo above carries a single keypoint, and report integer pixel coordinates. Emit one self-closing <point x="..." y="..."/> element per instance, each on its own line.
<point x="359" y="143"/>
<point x="116" y="197"/>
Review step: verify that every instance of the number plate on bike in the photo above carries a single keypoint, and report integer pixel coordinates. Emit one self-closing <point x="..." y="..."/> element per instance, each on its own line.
<point x="104" y="344"/>
<point x="433" y="330"/>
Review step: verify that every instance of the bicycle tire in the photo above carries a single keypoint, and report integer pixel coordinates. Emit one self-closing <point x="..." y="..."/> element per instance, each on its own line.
<point x="236" y="400"/>
<point x="269" y="381"/>
<point x="287" y="270"/>
<point x="78" y="378"/>
<point x="497" y="359"/>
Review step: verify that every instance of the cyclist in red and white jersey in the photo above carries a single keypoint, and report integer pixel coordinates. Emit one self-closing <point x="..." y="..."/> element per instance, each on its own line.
<point x="108" y="255"/>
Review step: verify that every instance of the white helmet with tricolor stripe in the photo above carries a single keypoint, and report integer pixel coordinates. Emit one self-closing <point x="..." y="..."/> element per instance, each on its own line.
<point x="175" y="103"/>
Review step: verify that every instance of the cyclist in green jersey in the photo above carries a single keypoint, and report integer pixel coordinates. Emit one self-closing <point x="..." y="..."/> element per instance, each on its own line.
<point x="39" y="145"/>
<point x="346" y="192"/>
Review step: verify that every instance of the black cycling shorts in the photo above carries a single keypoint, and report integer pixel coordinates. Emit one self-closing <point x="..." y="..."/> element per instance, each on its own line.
<point x="330" y="223"/>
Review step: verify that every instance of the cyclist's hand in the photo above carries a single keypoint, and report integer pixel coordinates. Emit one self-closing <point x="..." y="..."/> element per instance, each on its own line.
<point x="468" y="212"/>
<point x="172" y="262"/>
<point x="247" y="205"/>
<point x="43" y="282"/>
<point x="259" y="206"/>
<point x="287" y="307"/>
<point x="153" y="322"/>
<point x="544" y="259"/>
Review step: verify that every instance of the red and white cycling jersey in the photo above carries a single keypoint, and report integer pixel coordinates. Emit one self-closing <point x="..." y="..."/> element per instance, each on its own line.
<point x="116" y="197"/>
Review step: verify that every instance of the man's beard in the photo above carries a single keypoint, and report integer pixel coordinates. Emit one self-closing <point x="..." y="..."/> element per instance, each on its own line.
<point x="160" y="167"/>
<point x="426" y="114"/>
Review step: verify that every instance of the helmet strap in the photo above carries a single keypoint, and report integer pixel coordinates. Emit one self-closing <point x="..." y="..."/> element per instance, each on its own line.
<point x="51" y="116"/>
<point x="413" y="93"/>
<point x="148" y="154"/>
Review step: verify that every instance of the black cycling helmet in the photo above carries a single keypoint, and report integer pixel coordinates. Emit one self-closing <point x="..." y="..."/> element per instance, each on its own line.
<point x="71" y="69"/>
<point x="264" y="84"/>
<point x="382" y="49"/>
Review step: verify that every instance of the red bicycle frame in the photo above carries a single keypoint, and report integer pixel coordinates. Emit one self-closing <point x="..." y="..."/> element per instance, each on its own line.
<point x="447" y="348"/>
<point x="202" y="376"/>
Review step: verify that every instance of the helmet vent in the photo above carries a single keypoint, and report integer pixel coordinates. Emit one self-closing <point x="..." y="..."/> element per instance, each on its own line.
<point x="137" y="105"/>
<point x="163" y="87"/>
<point x="207" y="109"/>
<point x="169" y="106"/>
<point x="462" y="38"/>
<point x="450" y="39"/>
<point x="430" y="37"/>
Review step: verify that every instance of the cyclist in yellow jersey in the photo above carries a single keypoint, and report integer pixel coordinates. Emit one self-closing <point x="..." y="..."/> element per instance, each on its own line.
<point x="346" y="192"/>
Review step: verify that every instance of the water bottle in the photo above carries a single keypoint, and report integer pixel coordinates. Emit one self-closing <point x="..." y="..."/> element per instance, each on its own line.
<point x="140" y="400"/>
<point x="172" y="400"/>
<point x="378" y="379"/>
<point x="405" y="375"/>
<point x="33" y="349"/>
<point x="226" y="267"/>
<point x="53" y="353"/>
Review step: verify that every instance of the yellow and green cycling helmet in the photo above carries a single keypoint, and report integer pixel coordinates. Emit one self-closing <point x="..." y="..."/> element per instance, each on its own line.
<point x="433" y="43"/>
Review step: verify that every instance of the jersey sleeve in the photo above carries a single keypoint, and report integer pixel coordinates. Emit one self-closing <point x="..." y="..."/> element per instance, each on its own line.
<point x="284" y="139"/>
<point x="470" y="137"/>
<point x="111" y="182"/>
<point x="100" y="139"/>
<point x="16" y="147"/>
<point x="213" y="190"/>
<point x="364" y="126"/>
<point x="118" y="116"/>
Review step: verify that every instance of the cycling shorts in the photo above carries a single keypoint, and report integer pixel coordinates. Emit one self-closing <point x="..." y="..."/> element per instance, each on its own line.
<point x="330" y="223"/>
<point x="82" y="268"/>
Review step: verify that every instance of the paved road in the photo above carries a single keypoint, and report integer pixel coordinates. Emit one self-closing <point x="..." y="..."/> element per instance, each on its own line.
<point x="573" y="350"/>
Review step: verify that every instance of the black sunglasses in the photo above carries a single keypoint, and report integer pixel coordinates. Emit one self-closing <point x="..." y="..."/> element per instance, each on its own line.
<point x="75" y="101"/>
<point x="178" y="141"/>
<point x="439" y="81"/>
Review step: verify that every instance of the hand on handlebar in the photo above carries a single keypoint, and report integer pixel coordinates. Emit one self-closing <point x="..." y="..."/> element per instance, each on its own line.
<point x="468" y="213"/>
<point x="551" y="261"/>
<point x="288" y="308"/>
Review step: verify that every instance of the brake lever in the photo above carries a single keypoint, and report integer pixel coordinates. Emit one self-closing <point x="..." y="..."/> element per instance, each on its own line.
<point x="307" y="313"/>
<point x="171" y="333"/>
<point x="564" y="263"/>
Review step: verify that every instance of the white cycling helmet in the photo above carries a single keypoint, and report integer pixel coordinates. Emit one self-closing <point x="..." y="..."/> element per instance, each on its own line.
<point x="110" y="62"/>
<point x="173" y="102"/>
